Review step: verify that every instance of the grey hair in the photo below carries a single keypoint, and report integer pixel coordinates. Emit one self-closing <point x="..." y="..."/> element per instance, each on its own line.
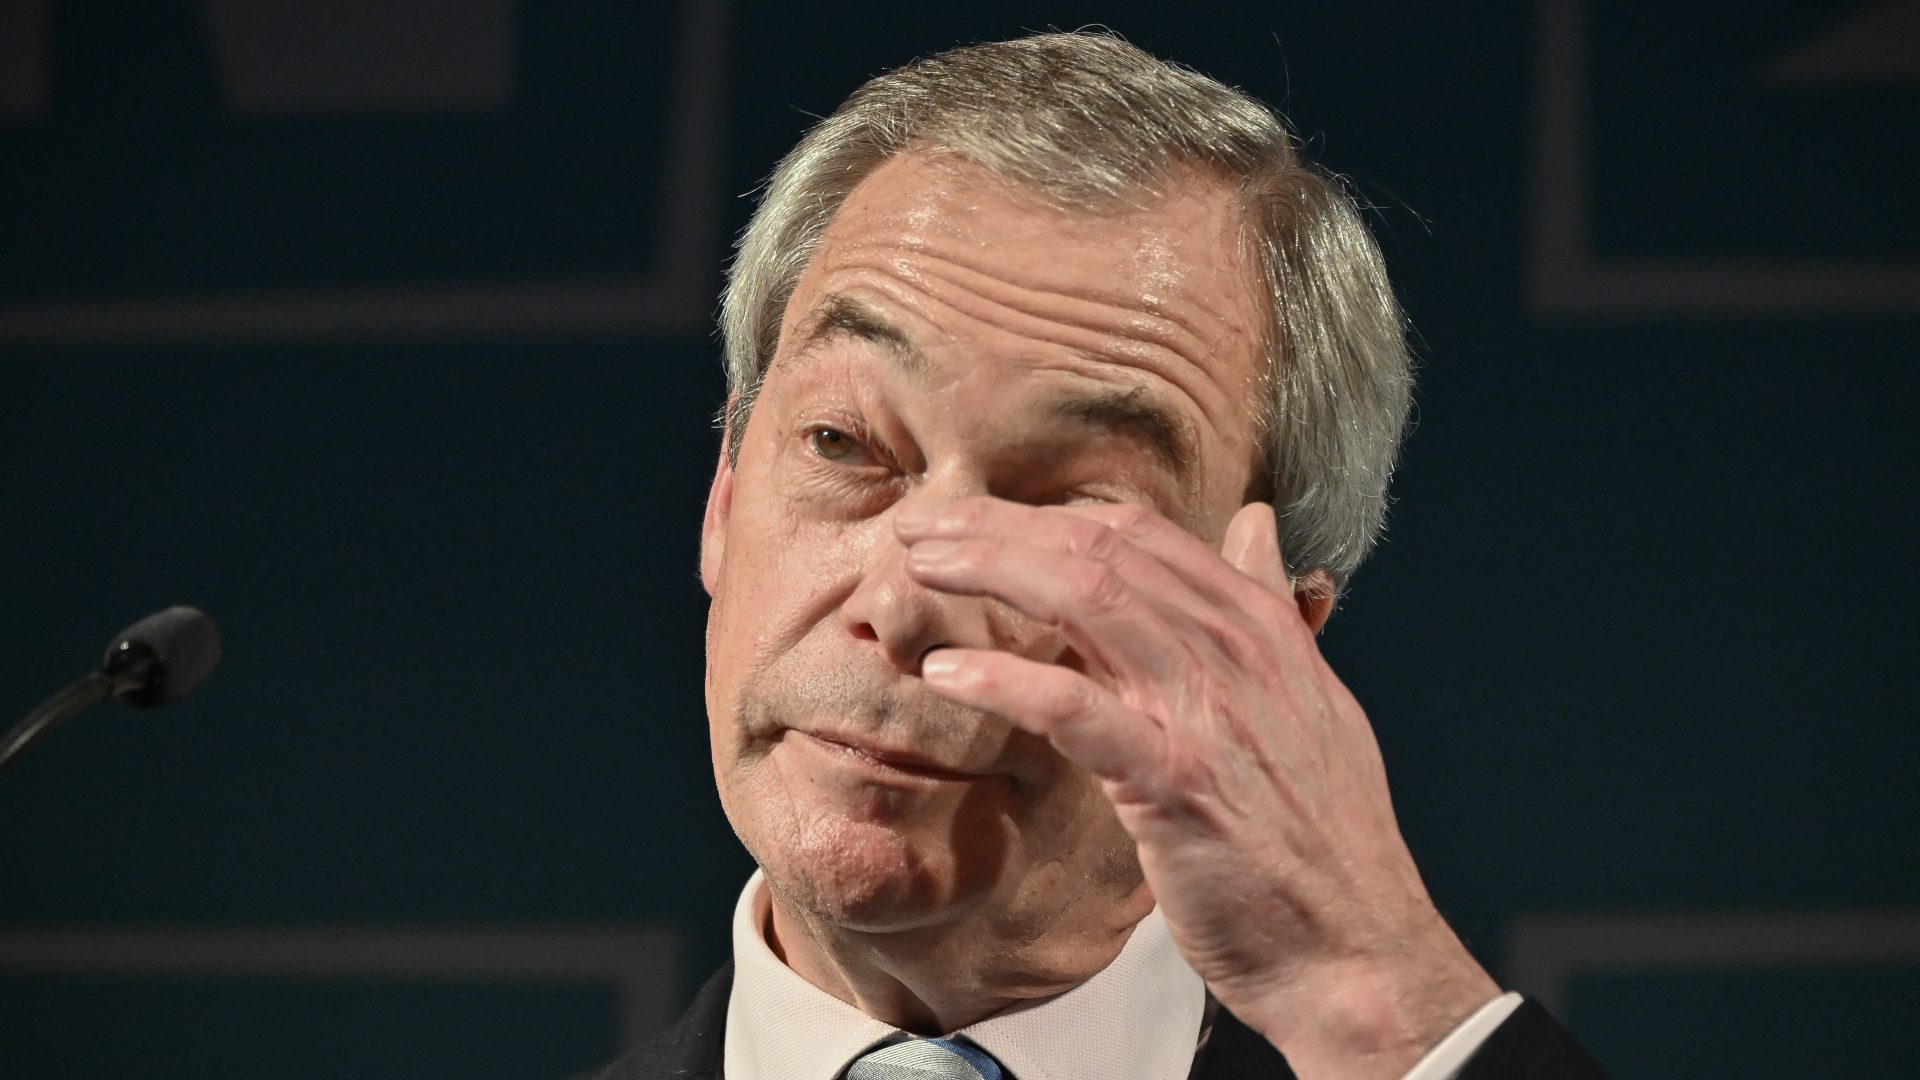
<point x="1094" y="123"/>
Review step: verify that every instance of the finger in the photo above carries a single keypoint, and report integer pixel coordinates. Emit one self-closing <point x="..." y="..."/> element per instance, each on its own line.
<point x="1119" y="615"/>
<point x="1102" y="532"/>
<point x="1252" y="546"/>
<point x="1248" y="588"/>
<point x="1085" y="722"/>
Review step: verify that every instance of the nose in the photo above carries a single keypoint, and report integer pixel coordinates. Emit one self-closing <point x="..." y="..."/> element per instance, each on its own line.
<point x="904" y="618"/>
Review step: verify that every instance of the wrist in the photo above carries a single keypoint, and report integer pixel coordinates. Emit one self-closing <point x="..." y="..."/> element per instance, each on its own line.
<point x="1370" y="1019"/>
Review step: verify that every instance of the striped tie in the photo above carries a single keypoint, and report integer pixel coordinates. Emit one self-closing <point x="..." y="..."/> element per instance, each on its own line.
<point x="926" y="1059"/>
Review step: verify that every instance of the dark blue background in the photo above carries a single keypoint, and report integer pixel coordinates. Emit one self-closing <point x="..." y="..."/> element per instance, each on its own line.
<point x="1639" y="640"/>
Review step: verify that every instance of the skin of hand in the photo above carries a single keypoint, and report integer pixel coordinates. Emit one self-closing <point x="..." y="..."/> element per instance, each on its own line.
<point x="1246" y="773"/>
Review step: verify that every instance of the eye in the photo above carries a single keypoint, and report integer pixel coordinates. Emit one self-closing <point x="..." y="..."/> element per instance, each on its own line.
<point x="1096" y="497"/>
<point x="834" y="444"/>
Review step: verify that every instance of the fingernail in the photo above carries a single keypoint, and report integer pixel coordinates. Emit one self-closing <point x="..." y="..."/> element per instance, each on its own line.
<point x="932" y="551"/>
<point x="939" y="664"/>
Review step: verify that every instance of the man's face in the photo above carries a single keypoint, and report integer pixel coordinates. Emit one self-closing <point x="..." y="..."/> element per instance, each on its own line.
<point x="954" y="337"/>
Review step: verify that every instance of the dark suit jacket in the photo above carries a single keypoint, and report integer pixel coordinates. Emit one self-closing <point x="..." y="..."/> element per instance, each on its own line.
<point x="1529" y="1046"/>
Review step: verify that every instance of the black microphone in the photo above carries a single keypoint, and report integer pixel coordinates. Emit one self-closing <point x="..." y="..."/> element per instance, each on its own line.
<point x="152" y="662"/>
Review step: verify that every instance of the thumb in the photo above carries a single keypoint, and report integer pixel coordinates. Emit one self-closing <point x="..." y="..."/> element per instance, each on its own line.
<point x="1252" y="546"/>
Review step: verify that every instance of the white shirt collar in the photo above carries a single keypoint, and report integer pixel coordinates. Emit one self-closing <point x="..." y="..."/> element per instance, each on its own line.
<point x="1139" y="1017"/>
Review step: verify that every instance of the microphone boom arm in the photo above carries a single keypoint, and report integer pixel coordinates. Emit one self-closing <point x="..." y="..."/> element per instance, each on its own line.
<point x="151" y="663"/>
<point x="53" y="712"/>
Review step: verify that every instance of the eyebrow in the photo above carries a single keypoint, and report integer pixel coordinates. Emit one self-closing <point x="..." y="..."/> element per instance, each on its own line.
<point x="840" y="315"/>
<point x="1135" y="412"/>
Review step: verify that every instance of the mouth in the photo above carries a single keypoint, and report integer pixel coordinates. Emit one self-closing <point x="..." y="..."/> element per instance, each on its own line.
<point x="898" y="763"/>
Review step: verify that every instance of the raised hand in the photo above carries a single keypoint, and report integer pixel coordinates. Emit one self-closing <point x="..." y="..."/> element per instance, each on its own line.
<point x="1245" y="771"/>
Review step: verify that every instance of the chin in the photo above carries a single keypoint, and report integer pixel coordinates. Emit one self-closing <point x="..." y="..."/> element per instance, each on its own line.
<point x="860" y="875"/>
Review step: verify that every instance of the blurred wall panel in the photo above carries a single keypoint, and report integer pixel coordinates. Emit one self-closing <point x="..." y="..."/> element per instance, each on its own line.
<point x="382" y="332"/>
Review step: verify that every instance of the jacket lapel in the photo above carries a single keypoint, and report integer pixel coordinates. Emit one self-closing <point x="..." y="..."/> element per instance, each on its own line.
<point x="691" y="1049"/>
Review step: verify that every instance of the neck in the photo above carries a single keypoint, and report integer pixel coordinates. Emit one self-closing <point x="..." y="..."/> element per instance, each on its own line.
<point x="937" y="980"/>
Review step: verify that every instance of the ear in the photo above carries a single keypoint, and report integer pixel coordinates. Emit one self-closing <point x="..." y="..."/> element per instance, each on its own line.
<point x="1313" y="593"/>
<point x="713" y="526"/>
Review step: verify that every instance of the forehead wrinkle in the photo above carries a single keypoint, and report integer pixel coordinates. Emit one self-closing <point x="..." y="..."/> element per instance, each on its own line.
<point x="840" y="315"/>
<point x="1109" y="324"/>
<point x="1169" y="431"/>
<point x="1146" y="312"/>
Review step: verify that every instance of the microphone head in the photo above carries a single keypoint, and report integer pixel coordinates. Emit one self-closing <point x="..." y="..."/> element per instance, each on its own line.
<point x="183" y="643"/>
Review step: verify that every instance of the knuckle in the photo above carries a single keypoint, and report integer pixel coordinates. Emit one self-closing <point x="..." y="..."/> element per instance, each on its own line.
<point x="1183" y="770"/>
<point x="1099" y="590"/>
<point x="1071" y="699"/>
<point x="1135" y="522"/>
<point x="1189" y="780"/>
<point x="1234" y="644"/>
<point x="1095" y="541"/>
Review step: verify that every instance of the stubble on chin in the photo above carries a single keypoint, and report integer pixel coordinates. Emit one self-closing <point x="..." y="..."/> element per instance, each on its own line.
<point x="854" y="875"/>
<point x="859" y="858"/>
<point x="1028" y="854"/>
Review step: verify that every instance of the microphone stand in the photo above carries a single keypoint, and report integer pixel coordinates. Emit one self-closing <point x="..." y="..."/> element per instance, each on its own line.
<point x="131" y="667"/>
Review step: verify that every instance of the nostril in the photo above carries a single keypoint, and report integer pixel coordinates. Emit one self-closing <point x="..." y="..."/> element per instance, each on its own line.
<point x="931" y="649"/>
<point x="865" y="632"/>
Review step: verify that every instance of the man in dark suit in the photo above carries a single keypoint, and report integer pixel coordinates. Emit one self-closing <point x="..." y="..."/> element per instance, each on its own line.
<point x="1014" y="698"/>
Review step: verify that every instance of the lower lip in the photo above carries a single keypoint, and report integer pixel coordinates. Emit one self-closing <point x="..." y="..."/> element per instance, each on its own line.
<point x="853" y="755"/>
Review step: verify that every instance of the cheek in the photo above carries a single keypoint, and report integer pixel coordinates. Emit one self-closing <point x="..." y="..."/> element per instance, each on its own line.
<point x="1078" y="855"/>
<point x="781" y="581"/>
<point x="1072" y="822"/>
